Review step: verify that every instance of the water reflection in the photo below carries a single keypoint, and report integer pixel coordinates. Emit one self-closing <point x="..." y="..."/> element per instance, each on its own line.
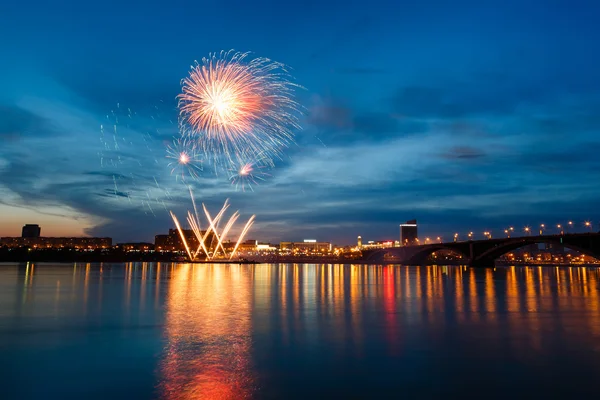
<point x="208" y="334"/>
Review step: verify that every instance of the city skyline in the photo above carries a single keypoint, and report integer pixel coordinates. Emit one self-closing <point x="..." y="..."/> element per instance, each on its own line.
<point x="407" y="230"/>
<point x="486" y="129"/>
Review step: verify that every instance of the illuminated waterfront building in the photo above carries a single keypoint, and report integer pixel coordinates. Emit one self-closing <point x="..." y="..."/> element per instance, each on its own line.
<point x="57" y="242"/>
<point x="380" y="244"/>
<point x="359" y="242"/>
<point x="136" y="246"/>
<point x="249" y="245"/>
<point x="408" y="233"/>
<point x="307" y="246"/>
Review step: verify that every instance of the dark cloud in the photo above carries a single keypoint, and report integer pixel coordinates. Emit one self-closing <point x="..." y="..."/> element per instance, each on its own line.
<point x="16" y="122"/>
<point x="330" y="116"/>
<point x="455" y="100"/>
<point x="342" y="126"/>
<point x="463" y="153"/>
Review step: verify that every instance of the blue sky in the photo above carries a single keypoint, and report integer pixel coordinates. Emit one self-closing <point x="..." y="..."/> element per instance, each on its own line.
<point x="466" y="115"/>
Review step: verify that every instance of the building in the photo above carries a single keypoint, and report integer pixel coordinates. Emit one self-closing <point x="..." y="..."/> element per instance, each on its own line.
<point x="265" y="248"/>
<point x="136" y="246"/>
<point x="248" y="246"/>
<point x="308" y="246"/>
<point x="380" y="244"/>
<point x="408" y="233"/>
<point x="172" y="241"/>
<point x="359" y="242"/>
<point x="90" y="243"/>
<point x="31" y="231"/>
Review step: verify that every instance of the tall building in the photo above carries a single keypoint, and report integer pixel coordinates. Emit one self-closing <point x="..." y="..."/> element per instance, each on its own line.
<point x="408" y="233"/>
<point x="359" y="242"/>
<point x="31" y="231"/>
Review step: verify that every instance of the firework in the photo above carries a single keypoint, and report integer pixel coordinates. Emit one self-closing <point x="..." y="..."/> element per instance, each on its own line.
<point x="247" y="172"/>
<point x="131" y="155"/>
<point x="186" y="161"/>
<point x="233" y="103"/>
<point x="213" y="223"/>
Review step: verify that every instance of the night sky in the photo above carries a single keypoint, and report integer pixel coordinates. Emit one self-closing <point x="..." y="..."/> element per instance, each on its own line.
<point x="466" y="115"/>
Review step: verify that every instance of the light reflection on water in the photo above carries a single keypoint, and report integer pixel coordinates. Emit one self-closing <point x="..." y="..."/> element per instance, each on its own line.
<point x="193" y="331"/>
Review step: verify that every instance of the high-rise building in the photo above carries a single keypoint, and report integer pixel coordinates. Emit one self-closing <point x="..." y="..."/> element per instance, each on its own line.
<point x="408" y="233"/>
<point x="359" y="242"/>
<point x="31" y="231"/>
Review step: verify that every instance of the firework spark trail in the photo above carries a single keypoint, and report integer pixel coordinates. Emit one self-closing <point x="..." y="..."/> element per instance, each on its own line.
<point x="232" y="103"/>
<point x="198" y="232"/>
<point x="195" y="208"/>
<point x="116" y="188"/>
<point x="215" y="221"/>
<point x="225" y="231"/>
<point x="242" y="235"/>
<point x="195" y="225"/>
<point x="187" y="248"/>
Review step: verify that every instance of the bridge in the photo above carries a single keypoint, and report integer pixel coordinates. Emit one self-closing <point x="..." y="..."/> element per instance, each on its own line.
<point x="483" y="253"/>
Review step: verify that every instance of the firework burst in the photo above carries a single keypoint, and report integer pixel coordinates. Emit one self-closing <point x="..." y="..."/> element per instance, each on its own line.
<point x="246" y="172"/>
<point x="186" y="161"/>
<point x="234" y="103"/>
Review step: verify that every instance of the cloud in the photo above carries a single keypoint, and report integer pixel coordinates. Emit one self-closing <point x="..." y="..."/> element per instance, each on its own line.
<point x="16" y="122"/>
<point x="463" y="153"/>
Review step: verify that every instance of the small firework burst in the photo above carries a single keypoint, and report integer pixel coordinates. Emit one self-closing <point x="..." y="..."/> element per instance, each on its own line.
<point x="247" y="173"/>
<point x="186" y="162"/>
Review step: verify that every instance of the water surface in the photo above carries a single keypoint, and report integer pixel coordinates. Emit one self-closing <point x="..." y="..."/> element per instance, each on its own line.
<point x="296" y="331"/>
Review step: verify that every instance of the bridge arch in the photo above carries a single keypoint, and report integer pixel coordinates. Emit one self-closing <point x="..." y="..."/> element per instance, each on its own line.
<point x="488" y="257"/>
<point x="410" y="255"/>
<point x="421" y="257"/>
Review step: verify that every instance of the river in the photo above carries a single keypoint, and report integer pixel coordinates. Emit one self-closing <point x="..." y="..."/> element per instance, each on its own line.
<point x="297" y="331"/>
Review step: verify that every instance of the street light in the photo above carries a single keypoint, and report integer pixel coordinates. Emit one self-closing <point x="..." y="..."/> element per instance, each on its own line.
<point x="570" y="225"/>
<point x="470" y="235"/>
<point x="527" y="230"/>
<point x="542" y="227"/>
<point x="559" y="226"/>
<point x="487" y="234"/>
<point x="507" y="233"/>
<point x="426" y="240"/>
<point x="456" y="237"/>
<point x="439" y="239"/>
<point x="589" y="225"/>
